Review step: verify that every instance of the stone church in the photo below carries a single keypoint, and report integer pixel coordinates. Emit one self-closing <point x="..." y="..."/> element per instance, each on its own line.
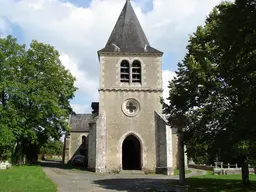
<point x="126" y="130"/>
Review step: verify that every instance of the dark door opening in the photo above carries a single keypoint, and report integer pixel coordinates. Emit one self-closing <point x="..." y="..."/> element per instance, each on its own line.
<point x="131" y="153"/>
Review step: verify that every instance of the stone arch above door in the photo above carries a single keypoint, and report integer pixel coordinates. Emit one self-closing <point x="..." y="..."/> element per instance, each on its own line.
<point x="142" y="146"/>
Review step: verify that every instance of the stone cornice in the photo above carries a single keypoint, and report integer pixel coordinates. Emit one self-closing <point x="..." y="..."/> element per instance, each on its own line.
<point x="79" y="130"/>
<point x="130" y="54"/>
<point x="130" y="90"/>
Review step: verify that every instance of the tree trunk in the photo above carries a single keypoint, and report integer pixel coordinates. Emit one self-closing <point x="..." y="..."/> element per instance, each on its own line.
<point x="245" y="171"/>
<point x="182" y="179"/>
<point x="17" y="156"/>
<point x="32" y="154"/>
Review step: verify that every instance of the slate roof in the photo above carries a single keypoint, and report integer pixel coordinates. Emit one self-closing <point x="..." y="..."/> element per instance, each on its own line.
<point x="80" y="122"/>
<point x="128" y="35"/>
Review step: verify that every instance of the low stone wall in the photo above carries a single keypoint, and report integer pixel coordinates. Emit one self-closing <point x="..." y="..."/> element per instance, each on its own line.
<point x="5" y="165"/>
<point x="49" y="157"/>
<point x="203" y="167"/>
<point x="230" y="171"/>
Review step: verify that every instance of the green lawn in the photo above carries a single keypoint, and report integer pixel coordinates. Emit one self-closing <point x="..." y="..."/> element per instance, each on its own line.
<point x="25" y="179"/>
<point x="220" y="183"/>
<point x="176" y="171"/>
<point x="54" y="159"/>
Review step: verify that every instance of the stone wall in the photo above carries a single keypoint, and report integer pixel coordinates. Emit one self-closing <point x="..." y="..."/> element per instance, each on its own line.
<point x="220" y="171"/>
<point x="113" y="94"/>
<point x="164" y="161"/>
<point x="175" y="153"/>
<point x="92" y="147"/>
<point x="230" y="171"/>
<point x="175" y="150"/>
<point x="76" y="142"/>
<point x="119" y="125"/>
<point x="151" y="70"/>
<point x="203" y="167"/>
<point x="101" y="144"/>
<point x="72" y="145"/>
<point x="66" y="150"/>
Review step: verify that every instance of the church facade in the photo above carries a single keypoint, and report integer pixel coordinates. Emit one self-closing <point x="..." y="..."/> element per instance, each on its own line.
<point x="126" y="130"/>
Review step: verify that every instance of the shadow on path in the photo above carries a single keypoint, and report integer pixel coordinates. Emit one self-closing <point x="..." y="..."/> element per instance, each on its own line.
<point x="60" y="165"/>
<point x="137" y="184"/>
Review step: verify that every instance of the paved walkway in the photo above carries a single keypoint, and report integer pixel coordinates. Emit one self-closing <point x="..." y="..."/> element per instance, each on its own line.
<point x="75" y="180"/>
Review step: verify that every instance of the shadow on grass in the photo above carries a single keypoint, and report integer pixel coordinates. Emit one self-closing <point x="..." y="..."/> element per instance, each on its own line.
<point x="60" y="165"/>
<point x="136" y="184"/>
<point x="218" y="185"/>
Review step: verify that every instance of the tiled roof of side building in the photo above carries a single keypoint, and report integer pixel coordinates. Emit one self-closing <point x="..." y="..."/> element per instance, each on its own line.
<point x="80" y="122"/>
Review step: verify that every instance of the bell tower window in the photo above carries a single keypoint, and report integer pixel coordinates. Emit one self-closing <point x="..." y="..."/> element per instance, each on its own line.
<point x="136" y="72"/>
<point x="125" y="72"/>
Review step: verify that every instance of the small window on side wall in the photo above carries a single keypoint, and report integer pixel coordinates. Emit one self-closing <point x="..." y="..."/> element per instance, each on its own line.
<point x="136" y="72"/>
<point x="84" y="141"/>
<point x="124" y="72"/>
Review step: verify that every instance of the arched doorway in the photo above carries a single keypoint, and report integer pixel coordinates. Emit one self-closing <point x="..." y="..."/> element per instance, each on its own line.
<point x="131" y="153"/>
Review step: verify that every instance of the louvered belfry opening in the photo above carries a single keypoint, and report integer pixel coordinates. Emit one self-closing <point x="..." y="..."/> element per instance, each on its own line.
<point x="136" y="72"/>
<point x="125" y="72"/>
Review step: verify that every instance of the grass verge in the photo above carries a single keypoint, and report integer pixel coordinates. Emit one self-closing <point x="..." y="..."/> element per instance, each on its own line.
<point x="176" y="171"/>
<point x="220" y="183"/>
<point x="25" y="179"/>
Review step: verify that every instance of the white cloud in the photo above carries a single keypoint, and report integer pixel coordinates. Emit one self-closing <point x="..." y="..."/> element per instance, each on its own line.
<point x="4" y="27"/>
<point x="167" y="77"/>
<point x="79" y="32"/>
<point x="81" y="109"/>
<point x="83" y="81"/>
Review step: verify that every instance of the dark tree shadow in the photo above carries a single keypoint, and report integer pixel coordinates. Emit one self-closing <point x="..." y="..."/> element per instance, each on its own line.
<point x="137" y="184"/>
<point x="60" y="165"/>
<point x="169" y="185"/>
<point x="81" y="150"/>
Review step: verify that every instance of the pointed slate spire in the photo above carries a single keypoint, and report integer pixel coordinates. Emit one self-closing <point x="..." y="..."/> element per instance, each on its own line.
<point x="128" y="35"/>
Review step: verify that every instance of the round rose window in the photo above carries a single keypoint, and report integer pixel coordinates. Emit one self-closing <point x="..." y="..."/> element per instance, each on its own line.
<point x="131" y="107"/>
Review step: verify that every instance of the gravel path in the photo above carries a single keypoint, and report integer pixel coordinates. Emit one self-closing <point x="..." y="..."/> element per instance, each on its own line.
<point x="75" y="180"/>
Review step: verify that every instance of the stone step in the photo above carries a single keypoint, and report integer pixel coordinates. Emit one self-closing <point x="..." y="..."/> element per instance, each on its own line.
<point x="132" y="172"/>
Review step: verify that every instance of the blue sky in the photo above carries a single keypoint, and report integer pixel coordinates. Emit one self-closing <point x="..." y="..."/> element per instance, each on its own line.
<point x="146" y="5"/>
<point x="79" y="3"/>
<point x="169" y="59"/>
<point x="78" y="28"/>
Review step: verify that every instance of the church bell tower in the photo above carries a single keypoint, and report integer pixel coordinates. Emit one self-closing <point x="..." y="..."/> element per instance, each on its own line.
<point x="129" y="97"/>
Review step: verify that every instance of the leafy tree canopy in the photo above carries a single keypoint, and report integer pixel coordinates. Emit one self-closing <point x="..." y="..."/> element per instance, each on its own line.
<point x="7" y="142"/>
<point x="35" y="89"/>
<point x="213" y="95"/>
<point x="53" y="147"/>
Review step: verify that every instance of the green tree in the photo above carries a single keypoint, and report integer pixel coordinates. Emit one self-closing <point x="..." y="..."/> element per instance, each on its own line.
<point x="11" y="54"/>
<point x="215" y="85"/>
<point x="36" y="89"/>
<point x="52" y="148"/>
<point x="7" y="141"/>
